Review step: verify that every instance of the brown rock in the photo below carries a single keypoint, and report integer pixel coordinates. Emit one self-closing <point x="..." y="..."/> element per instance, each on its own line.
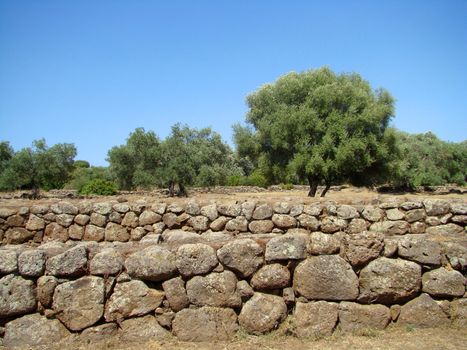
<point x="239" y="224"/>
<point x="98" y="219"/>
<point x="148" y="217"/>
<point x="459" y="313"/>
<point x="142" y="329"/>
<point x="262" y="212"/>
<point x="219" y="223"/>
<point x="35" y="223"/>
<point x="360" y="248"/>
<point x="45" y="289"/>
<point x="76" y="232"/>
<point x="372" y="214"/>
<point x="443" y="283"/>
<point x="151" y="264"/>
<point x="115" y="232"/>
<point x="415" y="215"/>
<point x="315" y="319"/>
<point x="391" y="228"/>
<point x="199" y="223"/>
<point x="331" y="224"/>
<point x="394" y="214"/>
<point x="261" y="226"/>
<point x="357" y="225"/>
<point x="195" y="259"/>
<point x="436" y="206"/>
<point x="82" y="219"/>
<point x="17" y="296"/>
<point x="71" y="263"/>
<point x="353" y="316"/>
<point x="323" y="244"/>
<point x="94" y="233"/>
<point x="417" y="248"/>
<point x="18" y="235"/>
<point x="309" y="222"/>
<point x="175" y="293"/>
<point x="284" y="221"/>
<point x="106" y="262"/>
<point x="272" y="276"/>
<point x="243" y="256"/>
<point x="130" y="220"/>
<point x="422" y="312"/>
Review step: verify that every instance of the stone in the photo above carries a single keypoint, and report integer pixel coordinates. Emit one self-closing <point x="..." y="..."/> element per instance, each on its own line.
<point x="121" y="208"/>
<point x="272" y="276"/>
<point x="456" y="254"/>
<point x="327" y="277"/>
<point x="215" y="289"/>
<point x="64" y="208"/>
<point x="459" y="219"/>
<point x="331" y="224"/>
<point x="45" y="290"/>
<point x="443" y="283"/>
<point x="360" y="248"/>
<point x="35" y="223"/>
<point x="459" y="208"/>
<point x="142" y="329"/>
<point x="308" y="221"/>
<point x="76" y="232"/>
<point x="31" y="263"/>
<point x="391" y="228"/>
<point x="106" y="262"/>
<point x="82" y="219"/>
<point x="138" y="233"/>
<point x="411" y="205"/>
<point x="446" y="230"/>
<point x="79" y="304"/>
<point x="17" y="296"/>
<point x="432" y="220"/>
<point x="239" y="224"/>
<point x="115" y="217"/>
<point x="314" y="209"/>
<point x="347" y="212"/>
<point x="158" y="228"/>
<point x="459" y="313"/>
<point x="148" y="217"/>
<point x="71" y="263"/>
<point x="261" y="226"/>
<point x="281" y="207"/>
<point x="193" y="207"/>
<point x="316" y="319"/>
<point x="175" y="293"/>
<point x="248" y="209"/>
<point x="436" y="207"/>
<point x="18" y="235"/>
<point x="33" y="330"/>
<point x="394" y="214"/>
<point x="8" y="261"/>
<point x="323" y="244"/>
<point x="357" y="225"/>
<point x="130" y="299"/>
<point x="245" y="290"/>
<point x="417" y="227"/>
<point x="296" y="209"/>
<point x="171" y="220"/>
<point x="53" y="248"/>
<point x="422" y="312"/>
<point x="99" y="333"/>
<point x="159" y="208"/>
<point x="419" y="249"/>
<point x="262" y="212"/>
<point x="6" y="212"/>
<point x="178" y="237"/>
<point x="210" y="211"/>
<point x="151" y="264"/>
<point x="415" y="215"/>
<point x="389" y="281"/>
<point x="243" y="256"/>
<point x="231" y="209"/>
<point x="103" y="208"/>
<point x="130" y="220"/>
<point x="390" y="247"/>
<point x="195" y="259"/>
<point x="288" y="295"/>
<point x="98" y="219"/>
<point x="55" y="232"/>
<point x="372" y="214"/>
<point x="353" y="316"/>
<point x="175" y="208"/>
<point x="262" y="313"/>
<point x="64" y="220"/>
<point x="286" y="247"/>
<point x="116" y="232"/>
<point x="85" y="207"/>
<point x="205" y="324"/>
<point x="199" y="223"/>
<point x="219" y="223"/>
<point x="94" y="233"/>
<point x="15" y="220"/>
<point x="395" y="311"/>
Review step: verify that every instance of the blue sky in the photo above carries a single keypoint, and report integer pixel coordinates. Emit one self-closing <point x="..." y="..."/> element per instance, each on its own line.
<point x="90" y="72"/>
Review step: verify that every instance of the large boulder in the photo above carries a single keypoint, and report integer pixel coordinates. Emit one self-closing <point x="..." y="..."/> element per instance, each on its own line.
<point x="142" y="329"/>
<point x="71" y="263"/>
<point x="130" y="299"/>
<point x="422" y="312"/>
<point x="205" y="324"/>
<point x="243" y="256"/>
<point x="443" y="283"/>
<point x="17" y="296"/>
<point x="151" y="264"/>
<point x="215" y="289"/>
<point x="175" y="293"/>
<point x="316" y="319"/>
<point x="106" y="262"/>
<point x="79" y="304"/>
<point x="31" y="263"/>
<point x="389" y="281"/>
<point x="287" y="247"/>
<point x="327" y="277"/>
<point x="262" y="313"/>
<point x="353" y="316"/>
<point x="436" y="207"/>
<point x="360" y="248"/>
<point x="419" y="249"/>
<point x="272" y="276"/>
<point x="195" y="259"/>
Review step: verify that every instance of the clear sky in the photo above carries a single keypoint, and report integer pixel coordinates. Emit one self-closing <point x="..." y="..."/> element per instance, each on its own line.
<point x="90" y="72"/>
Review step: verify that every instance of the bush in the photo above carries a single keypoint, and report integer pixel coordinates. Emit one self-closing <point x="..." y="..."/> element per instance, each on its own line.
<point x="255" y="179"/>
<point x="287" y="186"/>
<point x="99" y="187"/>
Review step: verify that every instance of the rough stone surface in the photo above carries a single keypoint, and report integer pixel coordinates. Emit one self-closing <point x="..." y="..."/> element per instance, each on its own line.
<point x="121" y="208"/>
<point x="459" y="208"/>
<point x="115" y="217"/>
<point x="175" y="293"/>
<point x="391" y="228"/>
<point x="308" y="221"/>
<point x="195" y="259"/>
<point x="360" y="248"/>
<point x="31" y="263"/>
<point x="271" y="277"/>
<point x="199" y="223"/>
<point x="394" y="214"/>
<point x="130" y="220"/>
<point x="219" y="223"/>
<point x="323" y="243"/>
<point x="314" y="210"/>
<point x="45" y="289"/>
<point x="148" y="217"/>
<point x="103" y="208"/>
<point x="446" y="230"/>
<point x="245" y="290"/>
<point x="71" y="263"/>
<point x="459" y="313"/>
<point x="142" y="329"/>
<point x="64" y="208"/>
<point x="284" y="221"/>
<point x="99" y="333"/>
<point x="79" y="304"/>
<point x="353" y="316"/>
<point x="436" y="206"/>
<point x="106" y="262"/>
<point x="131" y="299"/>
<point x="98" y="219"/>
<point x="262" y="313"/>
<point x="262" y="212"/>
<point x="64" y="220"/>
<point x="347" y="212"/>
<point x="116" y="232"/>
<point x="419" y="249"/>
<point x="33" y="330"/>
<point x="289" y="246"/>
<point x="205" y="324"/>
<point x="215" y="289"/>
<point x="372" y="214"/>
<point x="8" y="261"/>
<point x="327" y="277"/>
<point x="151" y="264"/>
<point x="415" y="215"/>
<point x="17" y="296"/>
<point x="18" y="235"/>
<point x="76" y="232"/>
<point x="261" y="226"/>
<point x="389" y="281"/>
<point x="239" y="224"/>
<point x="357" y="225"/>
<point x="210" y="211"/>
<point x="315" y="319"/>
<point x="422" y="312"/>
<point x="35" y="223"/>
<point x="281" y="207"/>
<point x="93" y="233"/>
<point x="331" y="224"/>
<point x="232" y="209"/>
<point x="443" y="283"/>
<point x="243" y="256"/>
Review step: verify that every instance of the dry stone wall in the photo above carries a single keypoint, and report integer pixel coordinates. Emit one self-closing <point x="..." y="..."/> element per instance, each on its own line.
<point x="145" y="270"/>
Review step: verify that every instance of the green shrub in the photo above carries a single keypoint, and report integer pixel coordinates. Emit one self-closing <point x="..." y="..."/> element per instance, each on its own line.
<point x="99" y="187"/>
<point x="256" y="179"/>
<point x="287" y="186"/>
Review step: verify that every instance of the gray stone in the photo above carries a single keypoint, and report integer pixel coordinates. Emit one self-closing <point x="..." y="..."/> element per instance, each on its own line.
<point x="76" y="232"/>
<point x="415" y="215"/>
<point x="245" y="290"/>
<point x="436" y="206"/>
<point x="443" y="283"/>
<point x="45" y="290"/>
<point x="64" y="208"/>
<point x="446" y="230"/>
<point x="357" y="225"/>
<point x="248" y="209"/>
<point x="175" y="208"/>
<point x="116" y="232"/>
<point x="131" y="299"/>
<point x="98" y="219"/>
<point x="142" y="329"/>
<point x="159" y="208"/>
<point x="417" y="227"/>
<point x="99" y="333"/>
<point x="390" y="247"/>
<point x="115" y="217"/>
<point x="33" y="330"/>
<point x="353" y="316"/>
<point x="199" y="223"/>
<point x="79" y="304"/>
<point x="331" y="224"/>
<point x="411" y="205"/>
<point x="31" y="263"/>
<point x="82" y="219"/>
<point x="151" y="264"/>
<point x="262" y="212"/>
<point x="178" y="237"/>
<point x="316" y="319"/>
<point x="219" y="223"/>
<point x="296" y="209"/>
<point x="215" y="289"/>
<point x="314" y="210"/>
<point x="64" y="220"/>
<point x="94" y="233"/>
<point x="148" y="217"/>
<point x="40" y="209"/>
<point x="6" y="212"/>
<point x="53" y="248"/>
<point x="195" y="259"/>
<point x="459" y="313"/>
<point x="389" y="281"/>
<point x="309" y="222"/>
<point x="456" y="254"/>
<point x="106" y="262"/>
<point x="130" y="220"/>
<point x="71" y="263"/>
<point x="18" y="235"/>
<point x="459" y="208"/>
<point x="422" y="312"/>
<point x="347" y="212"/>
<point x="261" y="226"/>
<point x="459" y="219"/>
<point x="193" y="207"/>
<point x="327" y="277"/>
<point x="288" y="295"/>
<point x="210" y="211"/>
<point x="8" y="261"/>
<point x="323" y="243"/>
<point x="205" y="324"/>
<point x="281" y="207"/>
<point x="121" y="208"/>
<point x="287" y="247"/>
<point x="17" y="296"/>
<point x="417" y="248"/>
<point x="433" y="220"/>
<point x="243" y="256"/>
<point x="391" y="228"/>
<point x="262" y="313"/>
<point x="239" y="224"/>
<point x="35" y="223"/>
<point x="103" y="208"/>
<point x="394" y="214"/>
<point x="272" y="276"/>
<point x="175" y="293"/>
<point x="372" y="214"/>
<point x="360" y="248"/>
<point x="85" y="207"/>
<point x="230" y="209"/>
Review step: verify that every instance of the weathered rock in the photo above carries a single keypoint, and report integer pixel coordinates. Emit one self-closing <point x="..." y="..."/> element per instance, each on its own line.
<point x="219" y="223"/>
<point x="106" y="262"/>
<point x="15" y="220"/>
<point x="445" y="230"/>
<point x="215" y="289"/>
<point x="389" y="281"/>
<point x="45" y="289"/>
<point x="199" y="223"/>
<point x="314" y="210"/>
<point x="82" y="219"/>
<point x="243" y="256"/>
<point x="417" y="227"/>
<point x="103" y="208"/>
<point x="55" y="232"/>
<point x="33" y="330"/>
<point x="6" y="212"/>
<point x="116" y="232"/>
<point x="178" y="237"/>
<point x="323" y="244"/>
<point x="99" y="333"/>
<point x="205" y="324"/>
<point x="261" y="226"/>
<point x="131" y="299"/>
<point x="417" y="248"/>
<point x="391" y="227"/>
<point x="284" y="221"/>
<point x="287" y="247"/>
<point x="17" y="296"/>
<point x="315" y="319"/>
<point x="171" y="220"/>
<point x="18" y="235"/>
<point x="195" y="259"/>
<point x="151" y="264"/>
<point x="98" y="219"/>
<point x="353" y="316"/>
<point x="347" y="212"/>
<point x="296" y="209"/>
<point x="130" y="220"/>
<point x="459" y="313"/>
<point x="93" y="233"/>
<point x="31" y="263"/>
<point x="142" y="329"/>
<point x="288" y="295"/>
<point x="175" y="208"/>
<point x="443" y="283"/>
<point x="281" y="207"/>
<point x="262" y="313"/>
<point x="115" y="217"/>
<point x="148" y="217"/>
<point x="308" y="221"/>
<point x="390" y="247"/>
<point x="245" y="290"/>
<point x="239" y="224"/>
<point x="64" y="208"/>
<point x="210" y="211"/>
<point x="459" y="208"/>
<point x="357" y="225"/>
<point x="229" y="209"/>
<point x="372" y="214"/>
<point x="248" y="209"/>
<point x="64" y="220"/>
<point x="422" y="312"/>
<point x="459" y="219"/>
<point x="327" y="277"/>
<point x="175" y="293"/>
<point x="121" y="208"/>
<point x="35" y="223"/>
<point x="262" y="212"/>
<point x="456" y="254"/>
<point x="433" y="220"/>
<point x="8" y="261"/>
<point x="53" y="248"/>
<point x="272" y="276"/>
<point x="331" y="224"/>
<point x="436" y="206"/>
<point x="394" y="214"/>
<point x="415" y="215"/>
<point x="76" y="232"/>
<point x="71" y="263"/>
<point x="411" y="205"/>
<point x="360" y="248"/>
